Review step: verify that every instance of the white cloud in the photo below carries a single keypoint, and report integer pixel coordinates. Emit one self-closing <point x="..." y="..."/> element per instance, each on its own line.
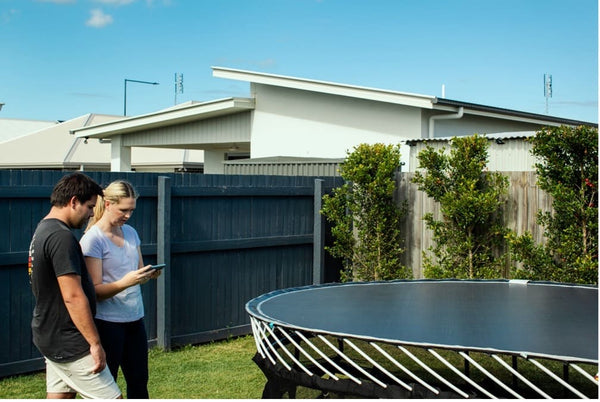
<point x="7" y="16"/>
<point x="98" y="19"/>
<point x="115" y="2"/>
<point x="57" y="1"/>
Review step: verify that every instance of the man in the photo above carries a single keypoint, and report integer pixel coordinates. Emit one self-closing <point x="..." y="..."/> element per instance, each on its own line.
<point x="63" y="319"/>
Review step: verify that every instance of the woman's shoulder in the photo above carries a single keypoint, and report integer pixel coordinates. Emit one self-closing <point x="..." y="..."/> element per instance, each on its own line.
<point x="93" y="231"/>
<point x="129" y="230"/>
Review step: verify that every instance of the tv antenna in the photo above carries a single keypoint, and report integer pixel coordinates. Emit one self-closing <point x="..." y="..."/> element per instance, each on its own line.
<point x="178" y="85"/>
<point x="547" y="88"/>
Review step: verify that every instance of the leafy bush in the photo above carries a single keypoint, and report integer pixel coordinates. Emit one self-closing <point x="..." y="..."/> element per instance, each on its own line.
<point x="469" y="239"/>
<point x="365" y="217"/>
<point x="568" y="171"/>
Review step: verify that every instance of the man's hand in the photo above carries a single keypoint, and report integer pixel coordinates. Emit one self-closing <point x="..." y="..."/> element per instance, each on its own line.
<point x="99" y="357"/>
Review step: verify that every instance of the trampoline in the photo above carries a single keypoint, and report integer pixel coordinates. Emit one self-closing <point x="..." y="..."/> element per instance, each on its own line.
<point x="429" y="338"/>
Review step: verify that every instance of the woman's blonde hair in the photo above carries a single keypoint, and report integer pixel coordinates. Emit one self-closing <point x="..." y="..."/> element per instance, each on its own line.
<point x="113" y="193"/>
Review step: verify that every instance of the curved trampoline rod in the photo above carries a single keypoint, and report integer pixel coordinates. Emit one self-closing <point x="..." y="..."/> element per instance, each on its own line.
<point x="521" y="377"/>
<point x="253" y="325"/>
<point x="460" y="373"/>
<point x="288" y="353"/>
<point x="261" y="335"/>
<point x="584" y="373"/>
<point x="375" y="364"/>
<point x="324" y="356"/>
<point x="407" y="371"/>
<point x="489" y="375"/>
<point x="307" y="355"/>
<point x="356" y="366"/>
<point x="273" y="350"/>
<point x="558" y="379"/>
<point x="434" y="373"/>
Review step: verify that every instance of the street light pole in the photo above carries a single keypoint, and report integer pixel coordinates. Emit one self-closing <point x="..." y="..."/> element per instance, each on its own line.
<point x="125" y="91"/>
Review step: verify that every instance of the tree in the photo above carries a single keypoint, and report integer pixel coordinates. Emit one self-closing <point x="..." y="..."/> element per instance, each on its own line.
<point x="469" y="239"/>
<point x="568" y="171"/>
<point x="365" y="218"/>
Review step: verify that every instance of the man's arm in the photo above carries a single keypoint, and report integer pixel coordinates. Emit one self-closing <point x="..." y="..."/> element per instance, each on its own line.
<point x="79" y="309"/>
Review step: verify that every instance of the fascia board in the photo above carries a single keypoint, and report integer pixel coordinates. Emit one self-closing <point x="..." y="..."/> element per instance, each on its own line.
<point x="380" y="95"/>
<point x="166" y="118"/>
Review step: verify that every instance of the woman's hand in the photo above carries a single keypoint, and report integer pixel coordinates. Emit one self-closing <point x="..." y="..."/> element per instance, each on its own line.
<point x="152" y="273"/>
<point x="138" y="277"/>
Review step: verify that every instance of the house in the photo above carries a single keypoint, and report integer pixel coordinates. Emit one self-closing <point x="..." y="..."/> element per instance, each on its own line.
<point x="53" y="147"/>
<point x="507" y="152"/>
<point x="15" y="128"/>
<point x="301" y="118"/>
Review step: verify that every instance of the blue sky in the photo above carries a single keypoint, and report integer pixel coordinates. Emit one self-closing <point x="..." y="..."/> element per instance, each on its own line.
<point x="61" y="59"/>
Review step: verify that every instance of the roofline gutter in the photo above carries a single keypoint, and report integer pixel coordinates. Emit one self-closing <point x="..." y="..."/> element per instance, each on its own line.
<point x="453" y="116"/>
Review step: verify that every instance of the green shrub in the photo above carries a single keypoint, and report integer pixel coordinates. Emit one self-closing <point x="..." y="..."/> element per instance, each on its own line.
<point x="568" y="171"/>
<point x="469" y="239"/>
<point x="365" y="218"/>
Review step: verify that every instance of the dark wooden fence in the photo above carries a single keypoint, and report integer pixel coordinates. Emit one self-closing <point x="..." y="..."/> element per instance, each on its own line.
<point x="226" y="239"/>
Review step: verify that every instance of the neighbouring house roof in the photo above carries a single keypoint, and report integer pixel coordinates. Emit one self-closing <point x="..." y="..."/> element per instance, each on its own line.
<point x="184" y="113"/>
<point x="493" y="136"/>
<point x="55" y="148"/>
<point x="382" y="95"/>
<point x="15" y="128"/>
<point x="195" y="111"/>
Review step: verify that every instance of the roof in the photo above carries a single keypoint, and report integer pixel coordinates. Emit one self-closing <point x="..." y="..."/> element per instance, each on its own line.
<point x="492" y="136"/>
<point x="382" y="95"/>
<point x="190" y="111"/>
<point x="511" y="112"/>
<point x="15" y="128"/>
<point x="285" y="159"/>
<point x="55" y="148"/>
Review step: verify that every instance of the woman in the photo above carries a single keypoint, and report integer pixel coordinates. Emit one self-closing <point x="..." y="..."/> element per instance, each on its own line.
<point x="114" y="262"/>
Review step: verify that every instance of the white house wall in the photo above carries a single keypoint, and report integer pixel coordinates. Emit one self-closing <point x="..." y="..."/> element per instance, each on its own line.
<point x="298" y="123"/>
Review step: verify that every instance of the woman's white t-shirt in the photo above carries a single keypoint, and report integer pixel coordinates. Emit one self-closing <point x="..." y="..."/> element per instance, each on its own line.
<point x="127" y="305"/>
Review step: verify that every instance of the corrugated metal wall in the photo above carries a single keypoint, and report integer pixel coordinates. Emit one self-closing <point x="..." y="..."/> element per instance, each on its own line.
<point x="297" y="167"/>
<point x="505" y="154"/>
<point x="232" y="239"/>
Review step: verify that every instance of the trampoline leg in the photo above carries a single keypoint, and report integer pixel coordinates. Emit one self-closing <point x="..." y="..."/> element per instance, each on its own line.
<point x="276" y="388"/>
<point x="515" y="366"/>
<point x="566" y="378"/>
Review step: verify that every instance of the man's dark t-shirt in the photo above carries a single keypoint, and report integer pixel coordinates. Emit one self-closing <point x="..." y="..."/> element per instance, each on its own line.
<point x="55" y="251"/>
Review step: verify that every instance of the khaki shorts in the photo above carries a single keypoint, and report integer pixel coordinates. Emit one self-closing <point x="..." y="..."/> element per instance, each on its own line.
<point x="77" y="376"/>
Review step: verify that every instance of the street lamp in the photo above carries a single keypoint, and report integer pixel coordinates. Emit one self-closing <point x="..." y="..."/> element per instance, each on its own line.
<point x="125" y="92"/>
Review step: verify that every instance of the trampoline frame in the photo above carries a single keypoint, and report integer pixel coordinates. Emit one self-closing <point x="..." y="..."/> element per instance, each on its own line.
<point x="290" y="356"/>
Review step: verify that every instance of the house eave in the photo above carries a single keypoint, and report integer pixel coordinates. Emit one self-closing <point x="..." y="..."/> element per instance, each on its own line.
<point x="516" y="115"/>
<point x="167" y="117"/>
<point x="332" y="88"/>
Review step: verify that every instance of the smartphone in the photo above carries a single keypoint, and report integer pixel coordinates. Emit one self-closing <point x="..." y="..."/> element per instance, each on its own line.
<point x="157" y="267"/>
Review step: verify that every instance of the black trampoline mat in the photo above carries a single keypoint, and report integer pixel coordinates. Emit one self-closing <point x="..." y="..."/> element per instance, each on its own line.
<point x="536" y="319"/>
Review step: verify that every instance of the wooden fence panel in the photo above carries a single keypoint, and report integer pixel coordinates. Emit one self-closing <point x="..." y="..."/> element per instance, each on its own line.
<point x="525" y="199"/>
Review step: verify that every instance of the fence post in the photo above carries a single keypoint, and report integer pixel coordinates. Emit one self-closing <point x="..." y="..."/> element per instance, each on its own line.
<point x="318" y="235"/>
<point x="163" y="255"/>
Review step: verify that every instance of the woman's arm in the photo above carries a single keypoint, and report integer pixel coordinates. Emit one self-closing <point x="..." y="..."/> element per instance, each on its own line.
<point x="107" y="290"/>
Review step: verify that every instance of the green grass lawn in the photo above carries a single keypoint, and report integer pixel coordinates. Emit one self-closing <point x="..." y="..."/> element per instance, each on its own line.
<point x="220" y="370"/>
<point x="216" y="370"/>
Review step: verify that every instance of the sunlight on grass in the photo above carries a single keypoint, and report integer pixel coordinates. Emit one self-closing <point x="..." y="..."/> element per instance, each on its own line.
<point x="223" y="370"/>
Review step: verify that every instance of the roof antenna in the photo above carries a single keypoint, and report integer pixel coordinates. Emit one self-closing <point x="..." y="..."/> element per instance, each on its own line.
<point x="547" y="88"/>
